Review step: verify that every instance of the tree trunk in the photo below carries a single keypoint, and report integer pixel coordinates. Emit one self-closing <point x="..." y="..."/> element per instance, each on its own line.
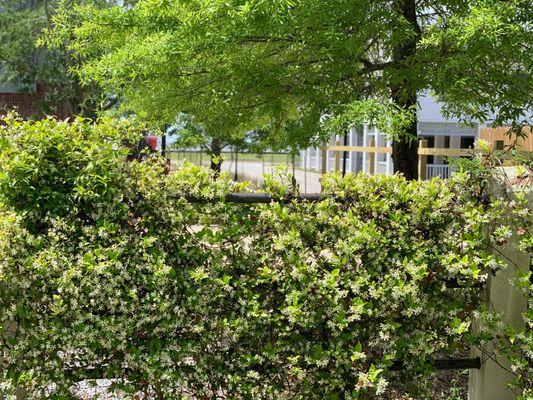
<point x="216" y="149"/>
<point x="405" y="149"/>
<point x="404" y="94"/>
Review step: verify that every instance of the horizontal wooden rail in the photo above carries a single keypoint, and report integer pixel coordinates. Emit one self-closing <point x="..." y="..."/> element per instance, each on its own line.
<point x="366" y="149"/>
<point x="455" y="284"/>
<point x="427" y="151"/>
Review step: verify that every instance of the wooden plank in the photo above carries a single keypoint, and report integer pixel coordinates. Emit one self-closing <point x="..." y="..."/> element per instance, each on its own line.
<point x="492" y="135"/>
<point x="425" y="151"/>
<point x="337" y="156"/>
<point x="446" y="152"/>
<point x="372" y="158"/>
<point x="422" y="160"/>
<point x="324" y="156"/>
<point x="366" y="149"/>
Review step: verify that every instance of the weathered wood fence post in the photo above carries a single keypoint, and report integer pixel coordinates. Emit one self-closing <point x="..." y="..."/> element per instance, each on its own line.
<point x="490" y="382"/>
<point x="337" y="156"/>
<point x="372" y="158"/>
<point x="422" y="161"/>
<point x="324" y="156"/>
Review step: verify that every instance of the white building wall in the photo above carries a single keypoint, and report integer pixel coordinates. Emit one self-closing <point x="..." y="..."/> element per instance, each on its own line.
<point x="431" y="123"/>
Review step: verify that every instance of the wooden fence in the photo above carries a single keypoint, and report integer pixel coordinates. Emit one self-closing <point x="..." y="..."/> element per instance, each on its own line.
<point x="498" y="139"/>
<point x="423" y="152"/>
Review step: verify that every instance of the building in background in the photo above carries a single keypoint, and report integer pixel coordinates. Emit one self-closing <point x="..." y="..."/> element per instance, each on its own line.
<point x="500" y="140"/>
<point x="31" y="82"/>
<point x="438" y="131"/>
<point x="24" y="100"/>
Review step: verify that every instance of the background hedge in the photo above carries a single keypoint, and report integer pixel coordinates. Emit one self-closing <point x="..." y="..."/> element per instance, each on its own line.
<point x="107" y="271"/>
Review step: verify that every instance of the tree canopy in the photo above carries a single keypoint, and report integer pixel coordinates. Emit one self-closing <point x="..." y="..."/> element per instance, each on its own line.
<point x="289" y="66"/>
<point x="25" y="60"/>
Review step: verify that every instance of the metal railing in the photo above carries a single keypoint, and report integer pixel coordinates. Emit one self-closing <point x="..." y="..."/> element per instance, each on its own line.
<point x="443" y="171"/>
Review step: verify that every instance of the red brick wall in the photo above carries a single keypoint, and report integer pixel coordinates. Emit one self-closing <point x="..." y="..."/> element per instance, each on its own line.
<point x="26" y="104"/>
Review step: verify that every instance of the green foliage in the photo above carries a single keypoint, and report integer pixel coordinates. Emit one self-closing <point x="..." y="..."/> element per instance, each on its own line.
<point x="51" y="170"/>
<point x="483" y="61"/>
<point x="510" y="342"/>
<point x="281" y="66"/>
<point x="25" y="60"/>
<point x="107" y="270"/>
<point x="23" y="63"/>
<point x="388" y="118"/>
<point x="17" y="47"/>
<point x="188" y="133"/>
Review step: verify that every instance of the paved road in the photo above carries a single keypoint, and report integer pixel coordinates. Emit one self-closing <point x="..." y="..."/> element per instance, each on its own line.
<point x="253" y="171"/>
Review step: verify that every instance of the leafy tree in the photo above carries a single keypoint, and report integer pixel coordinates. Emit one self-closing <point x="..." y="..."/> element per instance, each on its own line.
<point x="26" y="60"/>
<point x="242" y="64"/>
<point x="189" y="133"/>
<point x="24" y="63"/>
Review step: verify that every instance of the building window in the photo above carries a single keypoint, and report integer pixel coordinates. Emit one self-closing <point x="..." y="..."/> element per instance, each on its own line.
<point x="467" y="142"/>
<point x="431" y="144"/>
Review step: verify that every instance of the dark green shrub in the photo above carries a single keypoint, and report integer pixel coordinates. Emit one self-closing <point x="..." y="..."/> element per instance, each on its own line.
<point x="106" y="271"/>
